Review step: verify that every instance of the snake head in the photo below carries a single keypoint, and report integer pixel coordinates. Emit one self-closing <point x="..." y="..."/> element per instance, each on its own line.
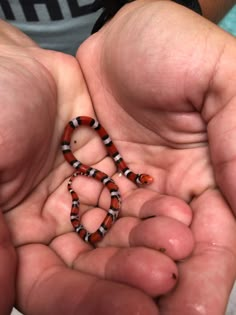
<point x="144" y="179"/>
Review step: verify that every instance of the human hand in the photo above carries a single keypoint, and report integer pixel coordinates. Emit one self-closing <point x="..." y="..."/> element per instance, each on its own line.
<point x="57" y="273"/>
<point x="173" y="73"/>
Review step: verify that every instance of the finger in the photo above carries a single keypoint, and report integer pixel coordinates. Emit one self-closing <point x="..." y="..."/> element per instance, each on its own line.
<point x="219" y="112"/>
<point x="46" y="286"/>
<point x="222" y="133"/>
<point x="7" y="269"/>
<point x="165" y="234"/>
<point x="165" y="231"/>
<point x="206" y="278"/>
<point x="144" y="203"/>
<point x="169" y="235"/>
<point x="159" y="233"/>
<point x="143" y="268"/>
<point x="146" y="269"/>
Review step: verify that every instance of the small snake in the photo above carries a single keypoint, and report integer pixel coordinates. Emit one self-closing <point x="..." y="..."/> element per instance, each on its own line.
<point x="82" y="169"/>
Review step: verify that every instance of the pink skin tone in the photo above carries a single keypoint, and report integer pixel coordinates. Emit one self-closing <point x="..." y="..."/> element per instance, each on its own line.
<point x="171" y="115"/>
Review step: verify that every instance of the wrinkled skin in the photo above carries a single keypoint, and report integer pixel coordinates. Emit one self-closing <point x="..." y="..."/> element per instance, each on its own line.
<point x="168" y="103"/>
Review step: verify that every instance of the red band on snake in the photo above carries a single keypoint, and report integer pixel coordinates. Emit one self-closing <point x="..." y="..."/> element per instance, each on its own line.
<point x="82" y="169"/>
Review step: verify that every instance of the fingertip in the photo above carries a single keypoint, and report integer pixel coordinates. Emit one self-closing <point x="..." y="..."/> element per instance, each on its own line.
<point x="162" y="205"/>
<point x="144" y="268"/>
<point x="164" y="234"/>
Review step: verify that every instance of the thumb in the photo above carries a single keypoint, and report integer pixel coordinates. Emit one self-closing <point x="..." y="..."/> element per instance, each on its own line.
<point x="220" y="113"/>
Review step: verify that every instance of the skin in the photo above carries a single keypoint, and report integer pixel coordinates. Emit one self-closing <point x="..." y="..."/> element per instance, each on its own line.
<point x="167" y="102"/>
